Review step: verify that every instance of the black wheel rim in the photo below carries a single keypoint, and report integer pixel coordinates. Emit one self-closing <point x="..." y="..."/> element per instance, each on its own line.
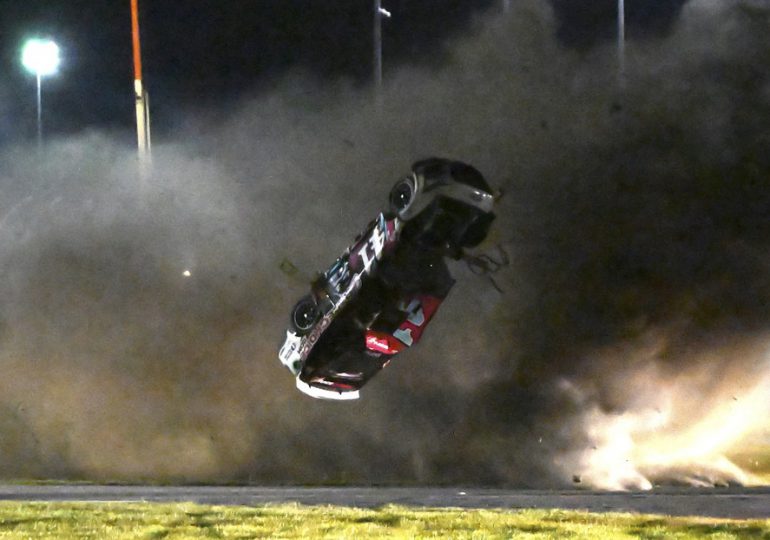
<point x="305" y="315"/>
<point x="401" y="196"/>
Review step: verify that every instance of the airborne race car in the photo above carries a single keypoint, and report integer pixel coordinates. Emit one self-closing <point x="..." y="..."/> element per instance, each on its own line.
<point x="379" y="295"/>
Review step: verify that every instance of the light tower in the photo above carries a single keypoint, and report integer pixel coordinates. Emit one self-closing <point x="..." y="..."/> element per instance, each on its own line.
<point x="41" y="58"/>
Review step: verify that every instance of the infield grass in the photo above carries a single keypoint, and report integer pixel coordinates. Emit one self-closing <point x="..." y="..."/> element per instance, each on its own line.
<point x="172" y="521"/>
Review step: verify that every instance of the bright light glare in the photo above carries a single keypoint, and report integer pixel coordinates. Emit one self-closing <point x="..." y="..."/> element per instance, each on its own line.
<point x="40" y="56"/>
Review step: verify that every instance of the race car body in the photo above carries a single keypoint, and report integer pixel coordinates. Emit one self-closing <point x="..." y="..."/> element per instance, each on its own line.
<point x="377" y="298"/>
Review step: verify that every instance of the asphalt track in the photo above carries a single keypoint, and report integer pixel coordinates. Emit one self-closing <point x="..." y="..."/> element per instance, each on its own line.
<point x="739" y="503"/>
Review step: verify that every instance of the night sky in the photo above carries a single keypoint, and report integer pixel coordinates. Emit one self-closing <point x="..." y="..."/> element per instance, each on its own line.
<point x="206" y="54"/>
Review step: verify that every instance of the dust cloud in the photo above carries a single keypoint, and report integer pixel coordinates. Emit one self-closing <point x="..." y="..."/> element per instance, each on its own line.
<point x="628" y="347"/>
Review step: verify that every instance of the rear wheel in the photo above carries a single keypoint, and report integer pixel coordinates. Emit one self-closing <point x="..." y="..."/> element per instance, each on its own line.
<point x="476" y="229"/>
<point x="304" y="315"/>
<point x="469" y="175"/>
<point x="458" y="225"/>
<point x="475" y="223"/>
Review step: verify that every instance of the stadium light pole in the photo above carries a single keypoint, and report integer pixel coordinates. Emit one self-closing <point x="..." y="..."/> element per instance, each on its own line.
<point x="41" y="58"/>
<point x="379" y="13"/>
<point x="141" y="98"/>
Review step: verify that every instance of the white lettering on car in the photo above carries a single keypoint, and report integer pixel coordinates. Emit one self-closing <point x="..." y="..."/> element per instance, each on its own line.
<point x="376" y="242"/>
<point x="364" y="254"/>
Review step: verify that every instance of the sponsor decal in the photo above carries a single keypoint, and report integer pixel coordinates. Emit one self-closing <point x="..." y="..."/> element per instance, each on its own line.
<point x="382" y="342"/>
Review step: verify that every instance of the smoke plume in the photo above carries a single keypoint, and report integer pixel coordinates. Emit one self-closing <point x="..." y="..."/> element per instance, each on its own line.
<point x="625" y="344"/>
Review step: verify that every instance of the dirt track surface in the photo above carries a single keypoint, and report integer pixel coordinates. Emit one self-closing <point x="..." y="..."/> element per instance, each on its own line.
<point x="717" y="502"/>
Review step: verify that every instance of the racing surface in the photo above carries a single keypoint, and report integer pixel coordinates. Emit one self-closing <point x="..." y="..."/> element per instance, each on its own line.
<point x="738" y="503"/>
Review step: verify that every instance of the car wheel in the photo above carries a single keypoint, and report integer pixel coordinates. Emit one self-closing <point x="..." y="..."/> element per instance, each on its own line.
<point x="402" y="196"/>
<point x="470" y="176"/>
<point x="304" y="315"/>
<point x="476" y="230"/>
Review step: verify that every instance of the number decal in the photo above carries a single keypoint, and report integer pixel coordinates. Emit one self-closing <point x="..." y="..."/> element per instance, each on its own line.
<point x="420" y="310"/>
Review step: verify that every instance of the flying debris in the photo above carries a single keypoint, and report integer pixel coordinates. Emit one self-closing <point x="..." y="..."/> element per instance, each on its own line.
<point x="376" y="299"/>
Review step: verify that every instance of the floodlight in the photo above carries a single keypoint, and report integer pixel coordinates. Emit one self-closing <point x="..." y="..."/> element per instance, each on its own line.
<point x="40" y="57"/>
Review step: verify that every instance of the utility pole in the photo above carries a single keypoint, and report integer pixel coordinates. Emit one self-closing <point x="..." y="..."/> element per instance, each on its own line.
<point x="379" y="13"/>
<point x="621" y="45"/>
<point x="142" y="99"/>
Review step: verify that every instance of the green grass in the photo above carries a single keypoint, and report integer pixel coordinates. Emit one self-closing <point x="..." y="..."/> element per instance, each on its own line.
<point x="171" y="521"/>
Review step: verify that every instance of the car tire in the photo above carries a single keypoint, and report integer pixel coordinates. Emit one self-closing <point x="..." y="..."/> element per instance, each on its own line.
<point x="469" y="175"/>
<point x="402" y="196"/>
<point x="476" y="229"/>
<point x="304" y="315"/>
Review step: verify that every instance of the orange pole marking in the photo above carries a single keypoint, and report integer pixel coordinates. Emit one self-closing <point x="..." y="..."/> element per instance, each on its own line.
<point x="135" y="39"/>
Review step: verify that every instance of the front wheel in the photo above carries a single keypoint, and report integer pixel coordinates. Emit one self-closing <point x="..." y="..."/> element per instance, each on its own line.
<point x="402" y="196"/>
<point x="304" y="315"/>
